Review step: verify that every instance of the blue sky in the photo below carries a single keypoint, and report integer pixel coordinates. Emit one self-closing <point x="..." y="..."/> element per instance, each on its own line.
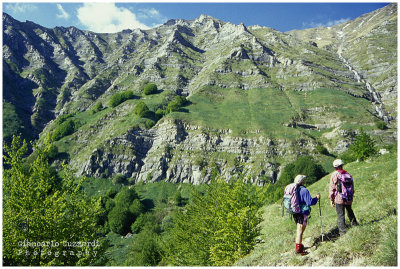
<point x="114" y="17"/>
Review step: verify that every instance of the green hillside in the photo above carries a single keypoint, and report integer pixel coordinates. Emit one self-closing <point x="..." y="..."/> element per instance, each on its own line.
<point x="373" y="242"/>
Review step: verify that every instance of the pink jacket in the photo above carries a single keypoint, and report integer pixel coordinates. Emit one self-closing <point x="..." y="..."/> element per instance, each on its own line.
<point x="333" y="193"/>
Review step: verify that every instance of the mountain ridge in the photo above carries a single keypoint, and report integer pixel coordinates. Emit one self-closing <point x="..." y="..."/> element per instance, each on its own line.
<point x="228" y="73"/>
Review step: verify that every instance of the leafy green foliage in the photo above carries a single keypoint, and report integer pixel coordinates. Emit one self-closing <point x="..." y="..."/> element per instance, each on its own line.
<point x="39" y="207"/>
<point x="146" y="250"/>
<point x="150" y="88"/>
<point x="149" y="123"/>
<point x="176" y="104"/>
<point x="12" y="124"/>
<point x="141" y="109"/>
<point x="68" y="127"/>
<point x="119" y="179"/>
<point x="381" y="125"/>
<point x="120" y="97"/>
<point x="216" y="228"/>
<point x="304" y="165"/>
<point x="98" y="107"/>
<point x="363" y="146"/>
<point x="322" y="150"/>
<point x="127" y="208"/>
<point x="120" y="219"/>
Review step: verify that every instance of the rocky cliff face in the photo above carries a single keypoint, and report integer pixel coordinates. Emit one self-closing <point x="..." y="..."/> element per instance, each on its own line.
<point x="66" y="71"/>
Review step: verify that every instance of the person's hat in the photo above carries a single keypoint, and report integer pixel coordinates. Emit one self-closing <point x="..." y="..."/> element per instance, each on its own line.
<point x="337" y="163"/>
<point x="299" y="179"/>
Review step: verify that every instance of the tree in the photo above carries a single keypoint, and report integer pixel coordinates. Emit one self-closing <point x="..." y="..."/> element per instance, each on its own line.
<point x="141" y="109"/>
<point x="217" y="228"/>
<point x="40" y="208"/>
<point x="146" y="250"/>
<point x="65" y="128"/>
<point x="363" y="146"/>
<point x="126" y="196"/>
<point x="120" y="97"/>
<point x="120" y="219"/>
<point x="176" y="104"/>
<point x="150" y="88"/>
<point x="98" y="107"/>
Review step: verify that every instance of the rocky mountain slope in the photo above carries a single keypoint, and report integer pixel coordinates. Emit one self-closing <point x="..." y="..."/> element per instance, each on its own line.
<point x="257" y="97"/>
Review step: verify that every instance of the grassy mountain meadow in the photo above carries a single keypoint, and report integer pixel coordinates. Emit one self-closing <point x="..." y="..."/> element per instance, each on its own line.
<point x="372" y="243"/>
<point x="177" y="141"/>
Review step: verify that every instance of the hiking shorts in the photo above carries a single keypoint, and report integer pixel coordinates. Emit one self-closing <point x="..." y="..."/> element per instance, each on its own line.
<point x="300" y="218"/>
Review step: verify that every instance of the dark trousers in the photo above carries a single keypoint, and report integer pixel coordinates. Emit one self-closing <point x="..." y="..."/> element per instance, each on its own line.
<point x="341" y="217"/>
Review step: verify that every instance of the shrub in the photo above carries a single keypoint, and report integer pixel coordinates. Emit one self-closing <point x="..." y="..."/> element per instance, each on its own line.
<point x="141" y="109"/>
<point x="150" y="88"/>
<point x="98" y="107"/>
<point x="66" y="128"/>
<point x="120" y="97"/>
<point x="176" y="104"/>
<point x="304" y="165"/>
<point x="363" y="146"/>
<point x="136" y="208"/>
<point x="143" y="220"/>
<point x="149" y="123"/>
<point x="111" y="193"/>
<point x="126" y="196"/>
<point x="146" y="250"/>
<point x="119" y="220"/>
<point x="322" y="150"/>
<point x="160" y="113"/>
<point x="216" y="228"/>
<point x="381" y="125"/>
<point x="119" y="179"/>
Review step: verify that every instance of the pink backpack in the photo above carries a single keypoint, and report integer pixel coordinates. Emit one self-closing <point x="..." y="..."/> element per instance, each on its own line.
<point x="290" y="199"/>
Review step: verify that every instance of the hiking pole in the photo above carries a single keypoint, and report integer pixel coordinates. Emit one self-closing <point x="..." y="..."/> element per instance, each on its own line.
<point x="320" y="217"/>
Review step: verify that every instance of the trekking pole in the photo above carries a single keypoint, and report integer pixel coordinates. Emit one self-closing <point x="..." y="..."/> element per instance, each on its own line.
<point x="320" y="217"/>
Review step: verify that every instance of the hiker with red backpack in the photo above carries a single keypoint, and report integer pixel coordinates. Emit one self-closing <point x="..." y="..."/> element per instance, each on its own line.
<point x="341" y="192"/>
<point x="297" y="200"/>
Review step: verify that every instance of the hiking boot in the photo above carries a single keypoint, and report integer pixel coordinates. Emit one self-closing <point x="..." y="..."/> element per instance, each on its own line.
<point x="300" y="250"/>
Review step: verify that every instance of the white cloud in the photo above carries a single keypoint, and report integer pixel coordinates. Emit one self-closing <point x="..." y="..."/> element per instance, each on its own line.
<point x="327" y="24"/>
<point x="152" y="16"/>
<point x="63" y="14"/>
<point x="107" y="18"/>
<point x="20" y="7"/>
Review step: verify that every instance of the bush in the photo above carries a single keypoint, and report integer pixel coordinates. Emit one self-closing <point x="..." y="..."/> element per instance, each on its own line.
<point x="66" y="128"/>
<point x="143" y="220"/>
<point x="216" y="228"/>
<point x="98" y="107"/>
<point x="149" y="123"/>
<point x="176" y="104"/>
<point x="322" y="150"/>
<point x="150" y="88"/>
<point x="119" y="179"/>
<point x="136" y="208"/>
<point x="111" y="193"/>
<point x="119" y="220"/>
<point x="304" y="165"/>
<point x="381" y="125"/>
<point x="120" y="97"/>
<point x="160" y="113"/>
<point x="363" y="147"/>
<point x="126" y="196"/>
<point x="146" y="250"/>
<point x="141" y="109"/>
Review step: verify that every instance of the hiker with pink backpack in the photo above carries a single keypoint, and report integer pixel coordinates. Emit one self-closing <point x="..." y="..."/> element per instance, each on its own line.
<point x="341" y="192"/>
